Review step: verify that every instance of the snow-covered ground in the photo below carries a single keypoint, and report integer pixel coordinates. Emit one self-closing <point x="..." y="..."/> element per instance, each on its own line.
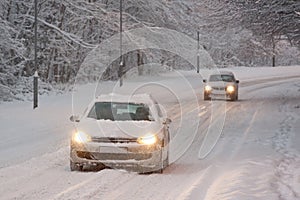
<point x="255" y="154"/>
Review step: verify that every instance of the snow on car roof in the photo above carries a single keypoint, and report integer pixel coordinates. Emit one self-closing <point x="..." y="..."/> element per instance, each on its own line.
<point x="222" y="72"/>
<point x="136" y="98"/>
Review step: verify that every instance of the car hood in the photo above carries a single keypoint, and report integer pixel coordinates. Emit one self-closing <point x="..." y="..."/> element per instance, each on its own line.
<point x="122" y="129"/>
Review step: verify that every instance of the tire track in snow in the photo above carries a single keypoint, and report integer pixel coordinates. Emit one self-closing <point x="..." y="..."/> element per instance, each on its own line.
<point x="257" y="185"/>
<point x="96" y="186"/>
<point x="284" y="167"/>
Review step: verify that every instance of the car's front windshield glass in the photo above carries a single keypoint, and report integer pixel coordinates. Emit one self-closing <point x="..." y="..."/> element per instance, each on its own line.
<point x="116" y="111"/>
<point x="218" y="77"/>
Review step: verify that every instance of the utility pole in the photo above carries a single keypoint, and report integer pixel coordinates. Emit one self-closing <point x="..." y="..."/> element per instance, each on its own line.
<point x="36" y="76"/>
<point x="273" y="50"/>
<point x="198" y="53"/>
<point x="121" y="56"/>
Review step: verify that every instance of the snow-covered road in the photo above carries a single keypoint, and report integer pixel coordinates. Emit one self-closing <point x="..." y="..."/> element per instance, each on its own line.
<point x="256" y="155"/>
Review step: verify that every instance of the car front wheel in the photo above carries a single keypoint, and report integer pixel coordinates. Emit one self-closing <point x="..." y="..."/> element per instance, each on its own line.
<point x="234" y="97"/>
<point x="166" y="161"/>
<point x="163" y="164"/>
<point x="206" y="97"/>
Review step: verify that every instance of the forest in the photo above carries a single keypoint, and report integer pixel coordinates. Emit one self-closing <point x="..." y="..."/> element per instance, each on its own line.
<point x="233" y="32"/>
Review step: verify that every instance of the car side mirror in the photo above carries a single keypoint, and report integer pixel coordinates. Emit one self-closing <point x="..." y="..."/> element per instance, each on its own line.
<point x="204" y="81"/>
<point x="167" y="121"/>
<point x="237" y="81"/>
<point x="75" y="118"/>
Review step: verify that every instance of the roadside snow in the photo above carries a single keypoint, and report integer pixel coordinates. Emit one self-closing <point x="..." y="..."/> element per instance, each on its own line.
<point x="255" y="157"/>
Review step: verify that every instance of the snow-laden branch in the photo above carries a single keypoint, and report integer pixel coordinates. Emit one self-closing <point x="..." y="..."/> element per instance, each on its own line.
<point x="70" y="36"/>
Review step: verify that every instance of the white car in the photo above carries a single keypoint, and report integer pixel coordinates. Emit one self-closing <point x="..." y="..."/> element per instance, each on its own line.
<point x="221" y="84"/>
<point x="116" y="131"/>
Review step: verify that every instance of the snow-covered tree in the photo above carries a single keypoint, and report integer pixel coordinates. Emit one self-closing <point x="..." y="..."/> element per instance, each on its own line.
<point x="270" y="21"/>
<point x="233" y="32"/>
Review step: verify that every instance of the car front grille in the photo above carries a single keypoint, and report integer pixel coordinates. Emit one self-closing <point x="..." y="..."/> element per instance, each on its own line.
<point x="218" y="88"/>
<point x="111" y="156"/>
<point x="113" y="140"/>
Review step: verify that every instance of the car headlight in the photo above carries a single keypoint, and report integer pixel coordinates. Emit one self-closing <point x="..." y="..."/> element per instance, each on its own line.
<point x="147" y="140"/>
<point x="81" y="137"/>
<point x="207" y="88"/>
<point x="230" y="89"/>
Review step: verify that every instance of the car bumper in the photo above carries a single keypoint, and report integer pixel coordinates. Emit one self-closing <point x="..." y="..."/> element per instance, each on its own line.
<point x="219" y="94"/>
<point x="133" y="157"/>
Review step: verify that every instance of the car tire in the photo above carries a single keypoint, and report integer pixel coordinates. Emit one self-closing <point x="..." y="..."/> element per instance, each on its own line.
<point x="234" y="97"/>
<point x="206" y="97"/>
<point x="75" y="167"/>
<point x="162" y="165"/>
<point x="166" y="161"/>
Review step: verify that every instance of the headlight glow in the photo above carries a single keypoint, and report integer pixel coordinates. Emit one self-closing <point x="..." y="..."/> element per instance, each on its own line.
<point x="230" y="89"/>
<point x="148" y="139"/>
<point x="81" y="137"/>
<point x="207" y="88"/>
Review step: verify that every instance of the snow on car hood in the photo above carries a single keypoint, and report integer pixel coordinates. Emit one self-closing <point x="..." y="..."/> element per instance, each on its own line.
<point x="126" y="129"/>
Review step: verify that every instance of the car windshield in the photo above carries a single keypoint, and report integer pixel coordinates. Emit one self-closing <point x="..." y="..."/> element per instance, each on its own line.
<point x="116" y="111"/>
<point x="219" y="77"/>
